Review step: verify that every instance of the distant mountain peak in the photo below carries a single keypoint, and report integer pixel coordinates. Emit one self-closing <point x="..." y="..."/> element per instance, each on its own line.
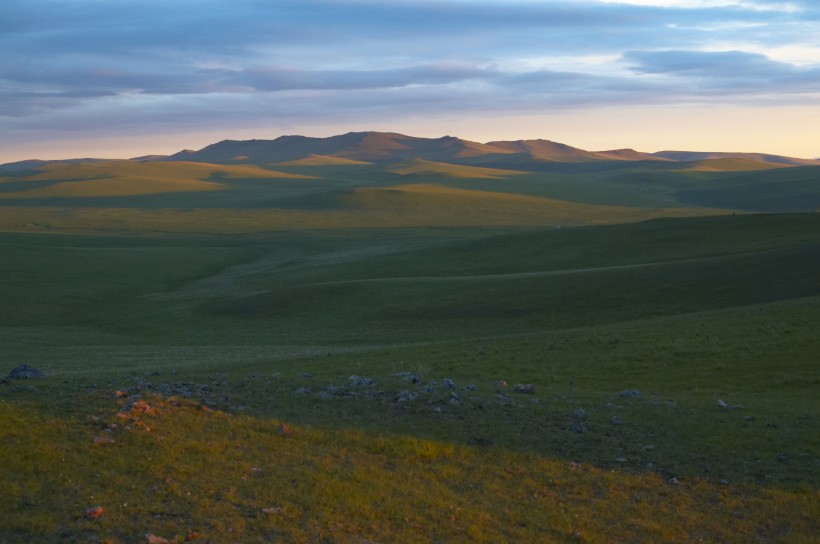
<point x="376" y="146"/>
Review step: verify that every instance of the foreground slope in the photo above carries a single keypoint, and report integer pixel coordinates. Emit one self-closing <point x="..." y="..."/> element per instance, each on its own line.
<point x="385" y="351"/>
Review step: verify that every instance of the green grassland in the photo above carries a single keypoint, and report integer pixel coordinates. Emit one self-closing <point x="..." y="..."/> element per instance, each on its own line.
<point x="234" y="309"/>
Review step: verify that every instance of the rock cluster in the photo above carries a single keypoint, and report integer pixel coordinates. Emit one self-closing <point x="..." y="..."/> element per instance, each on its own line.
<point x="24" y="372"/>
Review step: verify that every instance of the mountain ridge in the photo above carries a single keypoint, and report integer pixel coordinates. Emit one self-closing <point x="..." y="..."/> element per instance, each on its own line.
<point x="373" y="146"/>
<point x="383" y="147"/>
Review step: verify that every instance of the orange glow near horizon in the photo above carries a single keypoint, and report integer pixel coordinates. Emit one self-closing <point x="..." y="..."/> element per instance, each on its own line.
<point x="787" y="131"/>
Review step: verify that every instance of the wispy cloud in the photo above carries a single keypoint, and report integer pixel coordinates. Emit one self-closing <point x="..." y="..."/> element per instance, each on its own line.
<point x="95" y="67"/>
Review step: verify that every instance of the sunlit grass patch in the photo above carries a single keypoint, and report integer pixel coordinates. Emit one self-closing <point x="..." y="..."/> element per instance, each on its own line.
<point x="176" y="468"/>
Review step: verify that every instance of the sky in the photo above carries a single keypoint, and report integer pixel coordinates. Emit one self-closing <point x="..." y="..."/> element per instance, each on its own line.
<point x="122" y="78"/>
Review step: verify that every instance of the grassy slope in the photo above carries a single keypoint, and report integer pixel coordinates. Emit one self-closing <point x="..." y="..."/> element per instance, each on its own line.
<point x="686" y="310"/>
<point x="184" y="474"/>
<point x="254" y="199"/>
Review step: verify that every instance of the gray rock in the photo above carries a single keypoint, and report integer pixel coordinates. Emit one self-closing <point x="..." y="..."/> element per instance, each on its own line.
<point x="24" y="372"/>
<point x="470" y="387"/>
<point x="359" y="381"/>
<point x="524" y="388"/>
<point x="580" y="428"/>
<point x="324" y="395"/>
<point x="454" y="400"/>
<point x="721" y="403"/>
<point x="407" y="376"/>
<point x="303" y="391"/>
<point x="630" y="393"/>
<point x="447" y="383"/>
<point x="580" y="413"/>
<point x="405" y="396"/>
<point x="621" y="460"/>
<point x="615" y="420"/>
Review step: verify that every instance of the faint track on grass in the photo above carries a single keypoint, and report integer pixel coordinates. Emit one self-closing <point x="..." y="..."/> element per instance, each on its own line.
<point x="533" y="274"/>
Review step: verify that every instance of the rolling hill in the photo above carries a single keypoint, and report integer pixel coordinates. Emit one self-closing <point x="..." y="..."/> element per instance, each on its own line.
<point x="693" y="156"/>
<point x="329" y="339"/>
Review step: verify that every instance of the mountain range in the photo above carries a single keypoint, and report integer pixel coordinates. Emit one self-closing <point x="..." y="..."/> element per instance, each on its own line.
<point x="380" y="147"/>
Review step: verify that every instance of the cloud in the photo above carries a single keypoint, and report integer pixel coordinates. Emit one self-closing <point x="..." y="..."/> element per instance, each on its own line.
<point x="284" y="78"/>
<point x="728" y="70"/>
<point x="139" y="66"/>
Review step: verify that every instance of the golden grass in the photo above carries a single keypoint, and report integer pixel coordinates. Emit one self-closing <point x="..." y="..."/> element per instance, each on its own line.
<point x="424" y="167"/>
<point x="322" y="160"/>
<point x="405" y="206"/>
<point x="172" y="470"/>
<point x="128" y="178"/>
<point x="731" y="165"/>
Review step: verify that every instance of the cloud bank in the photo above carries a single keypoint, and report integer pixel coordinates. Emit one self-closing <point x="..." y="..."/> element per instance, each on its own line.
<point x="94" y="67"/>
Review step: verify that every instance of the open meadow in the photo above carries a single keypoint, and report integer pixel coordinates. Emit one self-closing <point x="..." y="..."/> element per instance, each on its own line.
<point x="337" y="350"/>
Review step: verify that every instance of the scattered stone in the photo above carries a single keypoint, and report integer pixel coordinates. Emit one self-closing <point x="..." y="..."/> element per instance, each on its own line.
<point x="782" y="457"/>
<point x="580" y="428"/>
<point x="284" y="430"/>
<point x="407" y="376"/>
<point x="615" y="420"/>
<point x="136" y="407"/>
<point x="630" y="393"/>
<point x="95" y="512"/>
<point x="437" y="409"/>
<point x="721" y="403"/>
<point x="470" y="387"/>
<point x="154" y="539"/>
<point x="648" y="447"/>
<point x="454" y="400"/>
<point x="405" y="396"/>
<point x="524" y="388"/>
<point x="501" y="383"/>
<point x="748" y="418"/>
<point x="303" y="391"/>
<point x="324" y="395"/>
<point x="273" y="510"/>
<point x="673" y="481"/>
<point x="24" y="372"/>
<point x="359" y="381"/>
<point x="426" y="388"/>
<point x="621" y="460"/>
<point x="580" y="413"/>
<point x="723" y="481"/>
<point x="447" y="383"/>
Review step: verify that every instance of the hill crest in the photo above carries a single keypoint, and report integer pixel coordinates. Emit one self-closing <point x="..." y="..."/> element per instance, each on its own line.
<point x="392" y="147"/>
